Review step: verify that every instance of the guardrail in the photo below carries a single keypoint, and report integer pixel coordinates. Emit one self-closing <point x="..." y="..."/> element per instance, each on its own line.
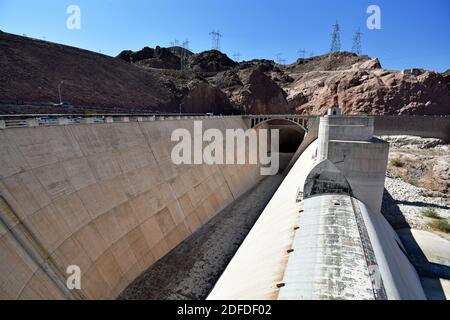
<point x="42" y="120"/>
<point x="37" y="120"/>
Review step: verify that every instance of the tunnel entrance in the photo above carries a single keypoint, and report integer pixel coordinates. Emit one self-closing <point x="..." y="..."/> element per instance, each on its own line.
<point x="290" y="140"/>
<point x="291" y="135"/>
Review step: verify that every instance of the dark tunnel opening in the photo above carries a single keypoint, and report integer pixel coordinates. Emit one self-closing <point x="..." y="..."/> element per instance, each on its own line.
<point x="290" y="140"/>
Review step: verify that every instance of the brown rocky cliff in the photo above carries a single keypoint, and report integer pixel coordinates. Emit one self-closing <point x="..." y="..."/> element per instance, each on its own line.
<point x="204" y="98"/>
<point x="260" y="94"/>
<point x="364" y="87"/>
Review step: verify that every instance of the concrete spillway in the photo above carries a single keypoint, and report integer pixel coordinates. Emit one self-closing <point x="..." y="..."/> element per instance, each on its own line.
<point x="322" y="235"/>
<point x="107" y="198"/>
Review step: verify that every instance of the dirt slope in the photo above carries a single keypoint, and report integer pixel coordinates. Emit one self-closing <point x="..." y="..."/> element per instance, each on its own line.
<point x="30" y="71"/>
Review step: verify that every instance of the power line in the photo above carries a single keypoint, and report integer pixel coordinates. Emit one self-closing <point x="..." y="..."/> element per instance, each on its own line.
<point x="356" y="47"/>
<point x="336" y="39"/>
<point x="237" y="56"/>
<point x="215" y="37"/>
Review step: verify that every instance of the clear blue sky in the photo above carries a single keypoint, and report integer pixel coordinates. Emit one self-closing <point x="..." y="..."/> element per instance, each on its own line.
<point x="414" y="33"/>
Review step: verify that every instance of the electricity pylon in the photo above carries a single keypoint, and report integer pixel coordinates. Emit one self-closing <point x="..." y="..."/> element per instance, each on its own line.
<point x="215" y="37"/>
<point x="335" y="39"/>
<point x="356" y="48"/>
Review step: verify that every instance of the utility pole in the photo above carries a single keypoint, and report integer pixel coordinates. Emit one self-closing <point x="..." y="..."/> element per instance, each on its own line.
<point x="237" y="56"/>
<point x="336" y="39"/>
<point x="59" y="91"/>
<point x="215" y="37"/>
<point x="356" y="48"/>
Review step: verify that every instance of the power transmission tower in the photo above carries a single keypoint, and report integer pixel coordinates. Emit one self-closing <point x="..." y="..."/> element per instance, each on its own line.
<point x="173" y="45"/>
<point x="302" y="53"/>
<point x="237" y="56"/>
<point x="356" y="48"/>
<point x="280" y="59"/>
<point x="215" y="37"/>
<point x="336" y="39"/>
<point x="311" y="54"/>
<point x="184" y="56"/>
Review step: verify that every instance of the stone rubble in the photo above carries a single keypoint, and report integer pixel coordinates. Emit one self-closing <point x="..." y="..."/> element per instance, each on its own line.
<point x="410" y="200"/>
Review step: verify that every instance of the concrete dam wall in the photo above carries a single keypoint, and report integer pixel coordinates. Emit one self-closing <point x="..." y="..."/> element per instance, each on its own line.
<point x="422" y="126"/>
<point x="104" y="197"/>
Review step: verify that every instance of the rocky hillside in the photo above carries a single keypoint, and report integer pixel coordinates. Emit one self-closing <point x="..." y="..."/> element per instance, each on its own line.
<point x="357" y="84"/>
<point x="31" y="70"/>
<point x="360" y="84"/>
<point x="151" y="80"/>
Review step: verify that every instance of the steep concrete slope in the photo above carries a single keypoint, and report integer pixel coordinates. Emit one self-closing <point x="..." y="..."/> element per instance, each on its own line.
<point x="104" y="197"/>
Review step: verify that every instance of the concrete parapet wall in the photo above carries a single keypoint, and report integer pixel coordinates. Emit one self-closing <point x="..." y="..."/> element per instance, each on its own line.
<point x="364" y="165"/>
<point x="350" y="128"/>
<point x="105" y="197"/>
<point x="349" y="132"/>
<point x="422" y="126"/>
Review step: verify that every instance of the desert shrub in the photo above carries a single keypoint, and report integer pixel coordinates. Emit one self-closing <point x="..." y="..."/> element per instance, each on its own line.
<point x="430" y="213"/>
<point x="397" y="162"/>
<point x="441" y="225"/>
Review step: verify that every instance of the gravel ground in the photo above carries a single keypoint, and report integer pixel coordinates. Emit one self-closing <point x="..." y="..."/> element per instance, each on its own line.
<point x="402" y="203"/>
<point x="424" y="160"/>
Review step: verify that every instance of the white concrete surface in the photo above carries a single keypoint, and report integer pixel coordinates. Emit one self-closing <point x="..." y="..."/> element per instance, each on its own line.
<point x="329" y="261"/>
<point x="400" y="278"/>
<point x="259" y="264"/>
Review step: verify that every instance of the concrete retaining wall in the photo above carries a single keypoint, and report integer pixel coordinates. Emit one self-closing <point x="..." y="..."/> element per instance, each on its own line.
<point x="422" y="126"/>
<point x="105" y="197"/>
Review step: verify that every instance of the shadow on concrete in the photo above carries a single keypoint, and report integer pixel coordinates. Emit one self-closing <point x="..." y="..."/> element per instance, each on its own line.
<point x="429" y="272"/>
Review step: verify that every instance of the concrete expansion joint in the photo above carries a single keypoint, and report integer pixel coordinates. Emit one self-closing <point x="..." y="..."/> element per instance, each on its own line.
<point x="35" y="250"/>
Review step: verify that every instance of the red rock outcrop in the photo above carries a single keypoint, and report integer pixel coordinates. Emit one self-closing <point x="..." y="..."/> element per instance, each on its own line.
<point x="367" y="88"/>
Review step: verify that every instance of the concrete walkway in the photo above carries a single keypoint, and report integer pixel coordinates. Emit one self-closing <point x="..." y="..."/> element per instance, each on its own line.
<point x="192" y="268"/>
